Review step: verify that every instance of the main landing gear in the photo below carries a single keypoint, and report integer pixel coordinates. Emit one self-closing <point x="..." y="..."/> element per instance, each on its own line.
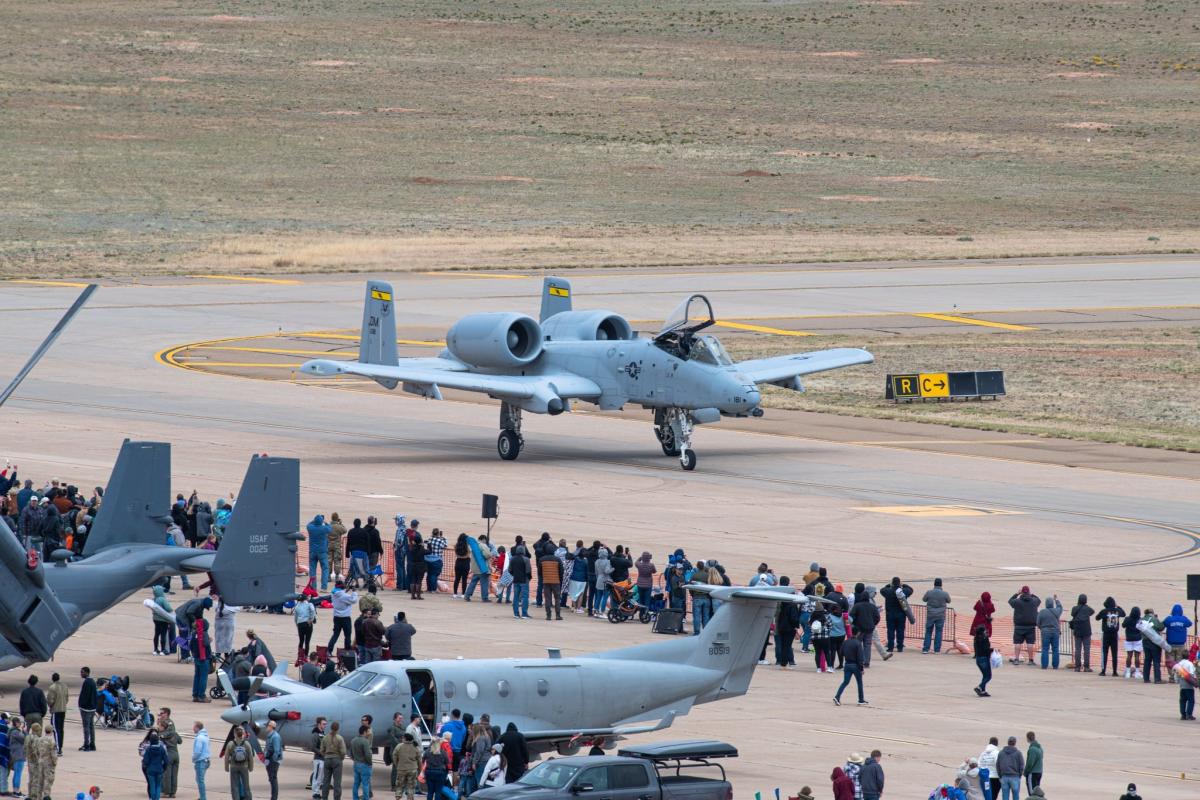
<point x="673" y="427"/>
<point x="510" y="443"/>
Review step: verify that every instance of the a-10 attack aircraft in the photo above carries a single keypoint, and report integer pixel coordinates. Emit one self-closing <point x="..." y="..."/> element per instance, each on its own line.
<point x="126" y="550"/>
<point x="558" y="703"/>
<point x="685" y="378"/>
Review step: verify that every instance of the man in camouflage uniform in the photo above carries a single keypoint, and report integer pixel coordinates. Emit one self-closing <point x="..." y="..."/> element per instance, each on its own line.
<point x="33" y="761"/>
<point x="337" y="545"/>
<point x="47" y="750"/>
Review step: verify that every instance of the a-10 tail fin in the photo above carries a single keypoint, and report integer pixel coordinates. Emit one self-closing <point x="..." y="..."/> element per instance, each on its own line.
<point x="256" y="563"/>
<point x="377" y="344"/>
<point x="136" y="505"/>
<point x="556" y="297"/>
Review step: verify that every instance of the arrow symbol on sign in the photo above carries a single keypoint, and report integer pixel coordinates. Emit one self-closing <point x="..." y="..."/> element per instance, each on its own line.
<point x="940" y="384"/>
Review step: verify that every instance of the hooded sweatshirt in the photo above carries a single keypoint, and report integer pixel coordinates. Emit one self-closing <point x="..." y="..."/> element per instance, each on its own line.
<point x="1176" y="625"/>
<point x="1025" y="609"/>
<point x="1081" y="618"/>
<point x="1048" y="617"/>
<point x="1110" y="618"/>
<point x="1010" y="762"/>
<point x="645" y="571"/>
<point x="318" y="535"/>
<point x="843" y="787"/>
<point x="160" y="600"/>
<point x="983" y="614"/>
<point x="603" y="569"/>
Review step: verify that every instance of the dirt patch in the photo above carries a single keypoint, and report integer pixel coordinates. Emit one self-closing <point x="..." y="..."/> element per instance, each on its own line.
<point x="1087" y="126"/>
<point x="397" y="110"/>
<point x="183" y="45"/>
<point x="755" y="173"/>
<point x="167" y="79"/>
<point x="838" y="54"/>
<point x="853" y="198"/>
<point x="1092" y="74"/>
<point x="124" y="137"/>
<point x="230" y="18"/>
<point x="341" y="112"/>
<point x="915" y="61"/>
<point x="531" y="79"/>
<point x="909" y="179"/>
<point x="331" y="62"/>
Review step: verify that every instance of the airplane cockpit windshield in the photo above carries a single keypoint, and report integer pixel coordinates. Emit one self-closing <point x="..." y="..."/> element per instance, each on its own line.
<point x="369" y="684"/>
<point x="678" y="334"/>
<point x="709" y="350"/>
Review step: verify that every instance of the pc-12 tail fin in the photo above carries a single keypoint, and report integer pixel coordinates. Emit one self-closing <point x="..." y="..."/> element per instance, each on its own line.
<point x="256" y="563"/>
<point x="732" y="639"/>
<point x="556" y="297"/>
<point x="137" y="502"/>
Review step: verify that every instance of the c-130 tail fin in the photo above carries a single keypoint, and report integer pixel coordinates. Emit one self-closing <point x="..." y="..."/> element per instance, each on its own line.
<point x="256" y="563"/>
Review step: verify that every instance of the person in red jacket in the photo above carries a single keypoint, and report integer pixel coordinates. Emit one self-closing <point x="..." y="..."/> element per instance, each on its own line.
<point x="843" y="787"/>
<point x="983" y="613"/>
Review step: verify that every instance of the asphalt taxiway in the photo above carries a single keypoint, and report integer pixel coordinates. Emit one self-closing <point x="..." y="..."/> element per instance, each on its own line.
<point x="866" y="499"/>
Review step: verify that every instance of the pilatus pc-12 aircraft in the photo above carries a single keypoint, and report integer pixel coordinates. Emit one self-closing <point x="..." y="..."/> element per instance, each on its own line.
<point x="685" y="377"/>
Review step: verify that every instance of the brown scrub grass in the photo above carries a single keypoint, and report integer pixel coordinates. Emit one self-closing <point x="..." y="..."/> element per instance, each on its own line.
<point x="1133" y="386"/>
<point x="156" y="137"/>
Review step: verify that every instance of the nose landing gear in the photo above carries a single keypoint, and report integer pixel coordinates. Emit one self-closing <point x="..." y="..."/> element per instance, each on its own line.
<point x="673" y="428"/>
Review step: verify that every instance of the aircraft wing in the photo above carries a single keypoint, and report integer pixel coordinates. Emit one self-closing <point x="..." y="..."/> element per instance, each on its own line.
<point x="278" y="682"/>
<point x="427" y="372"/>
<point x="785" y="370"/>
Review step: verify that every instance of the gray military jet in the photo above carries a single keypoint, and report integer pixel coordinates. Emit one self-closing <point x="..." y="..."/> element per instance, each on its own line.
<point x="684" y="377"/>
<point x="557" y="703"/>
<point x="40" y="606"/>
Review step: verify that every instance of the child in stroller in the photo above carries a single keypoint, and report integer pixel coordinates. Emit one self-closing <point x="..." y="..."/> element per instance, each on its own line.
<point x="624" y="605"/>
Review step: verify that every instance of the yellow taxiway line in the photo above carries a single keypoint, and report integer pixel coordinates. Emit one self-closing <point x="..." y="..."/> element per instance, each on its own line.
<point x="971" y="321"/>
<point x="48" y="283"/>
<point x="745" y="326"/>
<point x="276" y="281"/>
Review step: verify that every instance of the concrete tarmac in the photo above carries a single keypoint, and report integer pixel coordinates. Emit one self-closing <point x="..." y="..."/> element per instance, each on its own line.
<point x="756" y="496"/>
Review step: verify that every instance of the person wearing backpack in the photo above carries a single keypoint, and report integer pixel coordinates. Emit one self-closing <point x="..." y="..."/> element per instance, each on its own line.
<point x="239" y="763"/>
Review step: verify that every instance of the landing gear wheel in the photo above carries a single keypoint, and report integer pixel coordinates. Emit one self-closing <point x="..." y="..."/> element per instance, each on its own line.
<point x="508" y="445"/>
<point x="667" y="439"/>
<point x="687" y="460"/>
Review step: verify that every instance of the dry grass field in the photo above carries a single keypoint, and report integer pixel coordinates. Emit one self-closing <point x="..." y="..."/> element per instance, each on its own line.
<point x="1130" y="386"/>
<point x="269" y="136"/>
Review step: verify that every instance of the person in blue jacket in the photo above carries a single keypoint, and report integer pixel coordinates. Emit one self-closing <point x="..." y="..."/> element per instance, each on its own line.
<point x="154" y="765"/>
<point x="1175" y="630"/>
<point x="318" y="550"/>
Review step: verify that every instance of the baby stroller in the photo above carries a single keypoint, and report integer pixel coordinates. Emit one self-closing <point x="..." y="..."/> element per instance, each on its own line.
<point x="623" y="607"/>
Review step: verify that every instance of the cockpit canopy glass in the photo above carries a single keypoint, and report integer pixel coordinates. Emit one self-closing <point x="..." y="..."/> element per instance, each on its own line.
<point x="692" y="314"/>
<point x="369" y="684"/>
<point x="355" y="681"/>
<point x="709" y="350"/>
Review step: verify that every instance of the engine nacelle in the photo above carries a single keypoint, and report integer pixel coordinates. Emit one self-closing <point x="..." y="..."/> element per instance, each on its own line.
<point x="495" y="340"/>
<point x="587" y="326"/>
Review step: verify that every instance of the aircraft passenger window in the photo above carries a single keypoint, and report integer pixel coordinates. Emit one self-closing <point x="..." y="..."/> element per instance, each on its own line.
<point x="382" y="686"/>
<point x="543" y="687"/>
<point x="448" y="689"/>
<point x="627" y="776"/>
<point x="355" y="681"/>
<point x="472" y="689"/>
<point x="503" y="688"/>
<point x="598" y="777"/>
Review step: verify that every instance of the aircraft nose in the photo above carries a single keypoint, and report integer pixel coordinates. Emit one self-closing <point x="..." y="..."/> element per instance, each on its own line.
<point x="753" y="396"/>
<point x="236" y="715"/>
